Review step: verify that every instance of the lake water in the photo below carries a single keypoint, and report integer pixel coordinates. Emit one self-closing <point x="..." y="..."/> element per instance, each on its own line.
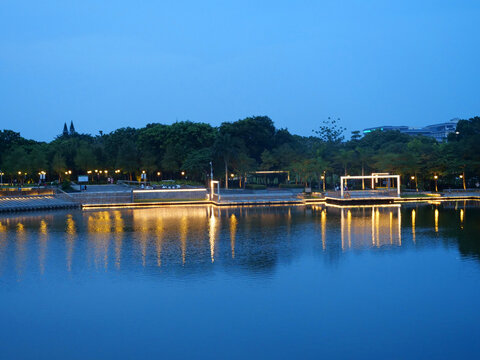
<point x="236" y="283"/>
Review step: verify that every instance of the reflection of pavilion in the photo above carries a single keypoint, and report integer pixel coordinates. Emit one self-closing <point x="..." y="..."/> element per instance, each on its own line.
<point x="370" y="226"/>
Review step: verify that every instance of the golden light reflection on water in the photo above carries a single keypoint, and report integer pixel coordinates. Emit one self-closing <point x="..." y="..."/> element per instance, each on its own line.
<point x="323" y="218"/>
<point x="212" y="222"/>
<point x="183" y="236"/>
<point x="119" y="233"/>
<point x="20" y="247"/>
<point x="159" y="240"/>
<point x="3" y="244"/>
<point x="385" y="227"/>
<point x="414" y="214"/>
<point x="99" y="226"/>
<point x="42" y="251"/>
<point x="71" y="232"/>
<point x="164" y="236"/>
<point x="233" y="231"/>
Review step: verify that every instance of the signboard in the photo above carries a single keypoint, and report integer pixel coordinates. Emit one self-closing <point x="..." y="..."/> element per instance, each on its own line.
<point x="144" y="176"/>
<point x="82" y="178"/>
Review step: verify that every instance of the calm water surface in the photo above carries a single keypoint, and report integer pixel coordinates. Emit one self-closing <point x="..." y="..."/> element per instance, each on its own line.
<point x="279" y="282"/>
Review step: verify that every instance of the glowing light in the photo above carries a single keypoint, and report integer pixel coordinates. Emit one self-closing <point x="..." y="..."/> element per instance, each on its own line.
<point x="324" y="228"/>
<point x="212" y="235"/>
<point x="414" y="214"/>
<point x="233" y="230"/>
<point x="436" y="220"/>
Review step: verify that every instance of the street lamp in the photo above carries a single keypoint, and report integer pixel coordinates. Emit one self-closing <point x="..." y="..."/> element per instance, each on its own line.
<point x="435" y="177"/>
<point x="323" y="181"/>
<point x="413" y="178"/>
<point x="462" y="176"/>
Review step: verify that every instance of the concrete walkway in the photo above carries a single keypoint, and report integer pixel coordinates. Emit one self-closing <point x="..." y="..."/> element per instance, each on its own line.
<point x="40" y="202"/>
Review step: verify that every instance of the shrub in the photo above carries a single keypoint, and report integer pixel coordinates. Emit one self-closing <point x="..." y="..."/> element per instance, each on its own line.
<point x="255" y="187"/>
<point x="66" y="185"/>
<point x="291" y="186"/>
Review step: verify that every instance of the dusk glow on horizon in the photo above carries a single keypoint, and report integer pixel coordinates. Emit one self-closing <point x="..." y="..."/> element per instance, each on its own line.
<point x="118" y="64"/>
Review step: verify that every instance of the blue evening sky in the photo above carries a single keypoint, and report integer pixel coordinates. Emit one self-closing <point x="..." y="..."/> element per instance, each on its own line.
<point x="109" y="64"/>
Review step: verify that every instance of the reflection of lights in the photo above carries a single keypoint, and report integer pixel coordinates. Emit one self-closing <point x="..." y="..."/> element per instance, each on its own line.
<point x="391" y="223"/>
<point x="436" y="220"/>
<point x="413" y="224"/>
<point x="399" y="215"/>
<point x="233" y="230"/>
<point x="183" y="236"/>
<point x="461" y="215"/>
<point x="20" y="247"/>
<point x="71" y="232"/>
<point x="159" y="240"/>
<point x="212" y="233"/>
<point x="119" y="226"/>
<point x="324" y="228"/>
<point x="349" y="228"/>
<point x="42" y="246"/>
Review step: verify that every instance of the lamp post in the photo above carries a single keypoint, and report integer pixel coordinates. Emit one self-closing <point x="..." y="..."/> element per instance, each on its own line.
<point x="1" y="178"/>
<point x="435" y="177"/>
<point x="323" y="181"/>
<point x="462" y="176"/>
<point x="414" y="179"/>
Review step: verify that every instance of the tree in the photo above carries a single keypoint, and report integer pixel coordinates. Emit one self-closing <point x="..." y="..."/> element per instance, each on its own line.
<point x="331" y="131"/>
<point x="58" y="165"/>
<point x="85" y="158"/>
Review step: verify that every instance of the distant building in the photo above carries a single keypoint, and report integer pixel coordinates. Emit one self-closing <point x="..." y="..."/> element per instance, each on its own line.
<point x="72" y="128"/>
<point x="66" y="132"/>
<point x="437" y="131"/>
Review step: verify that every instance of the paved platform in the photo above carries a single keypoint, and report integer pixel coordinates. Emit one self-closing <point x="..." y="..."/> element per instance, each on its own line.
<point x="41" y="202"/>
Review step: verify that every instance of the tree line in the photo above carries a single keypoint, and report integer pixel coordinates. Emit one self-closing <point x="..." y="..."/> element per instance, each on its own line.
<point x="186" y="149"/>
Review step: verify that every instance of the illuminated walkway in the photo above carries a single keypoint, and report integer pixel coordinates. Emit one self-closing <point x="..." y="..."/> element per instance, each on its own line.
<point x="23" y="203"/>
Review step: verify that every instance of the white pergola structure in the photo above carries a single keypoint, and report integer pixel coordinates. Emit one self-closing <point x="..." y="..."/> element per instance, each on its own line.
<point x="373" y="177"/>
<point x="212" y="189"/>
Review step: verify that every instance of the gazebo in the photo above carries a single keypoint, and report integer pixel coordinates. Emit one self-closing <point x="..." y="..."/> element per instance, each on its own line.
<point x="373" y="177"/>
